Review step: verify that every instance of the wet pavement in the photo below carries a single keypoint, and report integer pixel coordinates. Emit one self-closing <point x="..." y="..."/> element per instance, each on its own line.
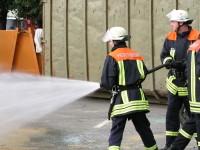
<point x="82" y="125"/>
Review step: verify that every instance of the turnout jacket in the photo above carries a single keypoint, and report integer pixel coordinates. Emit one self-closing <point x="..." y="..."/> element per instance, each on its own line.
<point x="125" y="68"/>
<point x="193" y="73"/>
<point x="175" y="47"/>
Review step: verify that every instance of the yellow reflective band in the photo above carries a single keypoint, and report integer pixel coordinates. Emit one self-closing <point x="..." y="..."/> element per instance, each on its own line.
<point x="165" y="60"/>
<point x="170" y="82"/>
<point x="129" y="107"/>
<point x="193" y="77"/>
<point x="134" y="103"/>
<point x="195" y="135"/>
<point x="151" y="148"/>
<point x="198" y="144"/>
<point x="172" y="52"/>
<point x="171" y="89"/>
<point x="172" y="77"/>
<point x="113" y="148"/>
<point x="171" y="133"/>
<point x="142" y="94"/>
<point x="182" y="91"/>
<point x="140" y="68"/>
<point x="195" y="104"/>
<point x="185" y="134"/>
<point x="170" y="86"/>
<point x="124" y="96"/>
<point x="195" y="107"/>
<point x="195" y="110"/>
<point x="121" y="73"/>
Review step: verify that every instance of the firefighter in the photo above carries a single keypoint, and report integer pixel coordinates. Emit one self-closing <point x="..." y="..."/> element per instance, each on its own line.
<point x="194" y="84"/>
<point x="123" y="73"/>
<point x="193" y="124"/>
<point x="174" y="52"/>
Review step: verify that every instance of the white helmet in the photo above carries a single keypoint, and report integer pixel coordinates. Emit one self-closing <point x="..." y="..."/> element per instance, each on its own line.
<point x="116" y="33"/>
<point x="179" y="16"/>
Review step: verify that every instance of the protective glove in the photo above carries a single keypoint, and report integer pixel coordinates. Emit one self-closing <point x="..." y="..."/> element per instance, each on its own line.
<point x="169" y="64"/>
<point x="176" y="64"/>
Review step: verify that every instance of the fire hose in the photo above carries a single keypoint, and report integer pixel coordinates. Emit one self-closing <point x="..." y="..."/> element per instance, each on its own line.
<point x="157" y="68"/>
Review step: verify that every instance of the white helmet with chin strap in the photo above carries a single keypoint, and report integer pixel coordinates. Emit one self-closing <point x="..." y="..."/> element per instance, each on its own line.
<point x="116" y="33"/>
<point x="179" y="16"/>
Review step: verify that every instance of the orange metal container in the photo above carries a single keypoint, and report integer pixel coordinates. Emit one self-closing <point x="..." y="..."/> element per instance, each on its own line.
<point x="8" y="40"/>
<point x="17" y="52"/>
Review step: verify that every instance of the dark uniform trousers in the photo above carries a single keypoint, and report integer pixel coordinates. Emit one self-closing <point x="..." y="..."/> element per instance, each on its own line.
<point x="186" y="133"/>
<point x="172" y="123"/>
<point x="197" y="120"/>
<point x="142" y="126"/>
<point x="190" y="127"/>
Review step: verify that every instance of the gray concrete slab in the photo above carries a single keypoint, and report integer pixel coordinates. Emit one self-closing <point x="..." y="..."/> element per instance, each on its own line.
<point x="82" y="125"/>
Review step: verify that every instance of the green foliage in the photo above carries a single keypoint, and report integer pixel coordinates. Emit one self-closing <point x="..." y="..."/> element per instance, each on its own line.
<point x="24" y="8"/>
<point x="4" y="6"/>
<point x="28" y="8"/>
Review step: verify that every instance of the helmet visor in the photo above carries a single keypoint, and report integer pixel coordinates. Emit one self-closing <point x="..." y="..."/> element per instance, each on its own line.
<point x="172" y="15"/>
<point x="107" y="37"/>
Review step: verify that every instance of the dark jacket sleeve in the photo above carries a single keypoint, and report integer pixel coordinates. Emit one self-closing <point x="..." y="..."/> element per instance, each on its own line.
<point x="198" y="64"/>
<point x="165" y="53"/>
<point x="109" y="73"/>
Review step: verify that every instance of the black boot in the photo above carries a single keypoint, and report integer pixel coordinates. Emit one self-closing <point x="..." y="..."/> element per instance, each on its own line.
<point x="165" y="148"/>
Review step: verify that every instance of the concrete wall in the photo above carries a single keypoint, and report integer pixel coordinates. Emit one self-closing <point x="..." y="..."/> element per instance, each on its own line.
<point x="74" y="28"/>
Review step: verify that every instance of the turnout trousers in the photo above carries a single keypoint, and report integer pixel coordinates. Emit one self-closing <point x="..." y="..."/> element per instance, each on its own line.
<point x="197" y="120"/>
<point x="142" y="126"/>
<point x="172" y="117"/>
<point x="185" y="134"/>
<point x="190" y="128"/>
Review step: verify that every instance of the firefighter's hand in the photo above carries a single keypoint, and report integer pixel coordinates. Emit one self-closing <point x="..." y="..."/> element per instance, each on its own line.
<point x="169" y="64"/>
<point x="176" y="64"/>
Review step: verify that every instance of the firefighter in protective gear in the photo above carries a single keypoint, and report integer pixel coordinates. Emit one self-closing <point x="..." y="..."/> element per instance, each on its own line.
<point x="174" y="52"/>
<point x="191" y="126"/>
<point x="194" y="84"/>
<point x="125" y="70"/>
